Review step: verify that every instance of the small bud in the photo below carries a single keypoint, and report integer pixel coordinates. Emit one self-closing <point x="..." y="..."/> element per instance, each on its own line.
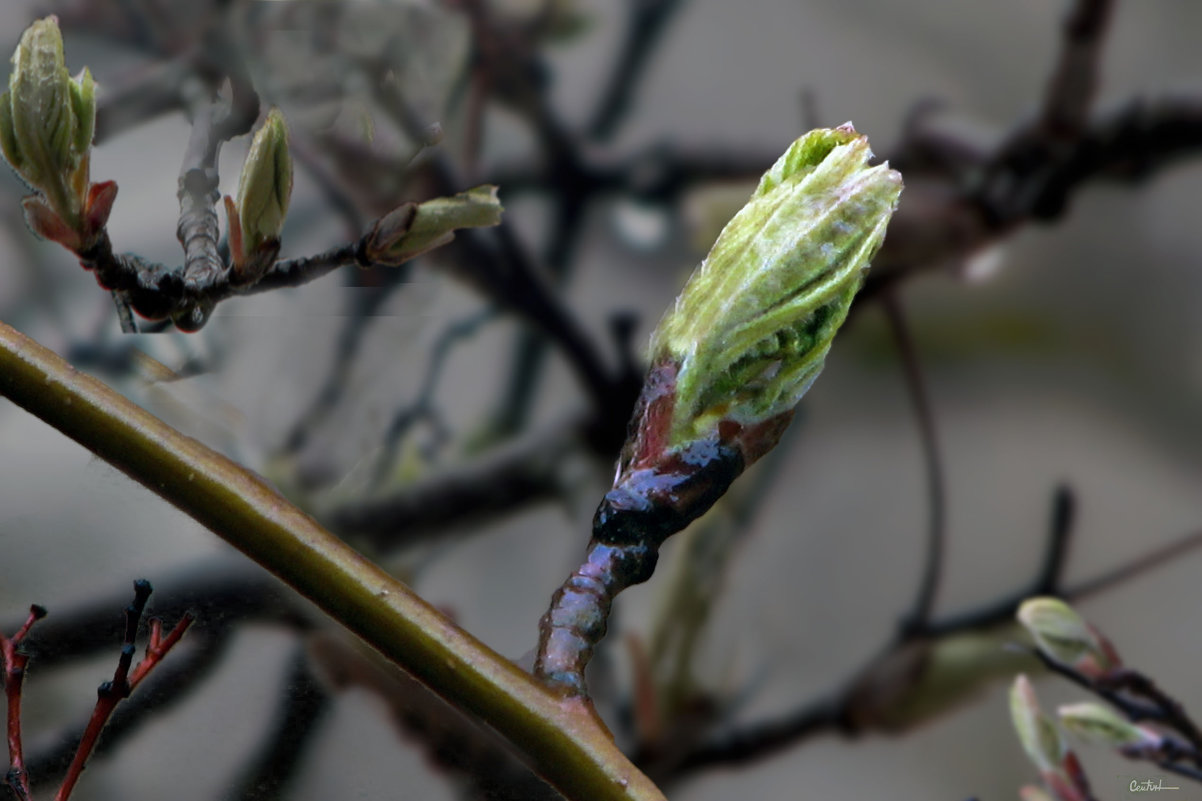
<point x="1100" y="724"/>
<point x="412" y="229"/>
<point x="47" y="120"/>
<point x="1063" y="636"/>
<point x="1036" y="732"/>
<point x="264" y="190"/>
<point x="750" y="330"/>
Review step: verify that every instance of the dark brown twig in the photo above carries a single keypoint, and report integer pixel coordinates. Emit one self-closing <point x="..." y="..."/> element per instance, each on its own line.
<point x="304" y="701"/>
<point x="646" y="22"/>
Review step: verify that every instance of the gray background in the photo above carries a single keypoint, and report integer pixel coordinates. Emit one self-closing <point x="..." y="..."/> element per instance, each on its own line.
<point x="1078" y="360"/>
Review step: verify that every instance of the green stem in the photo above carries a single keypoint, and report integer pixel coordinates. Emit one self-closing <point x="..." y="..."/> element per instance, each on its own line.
<point x="560" y="738"/>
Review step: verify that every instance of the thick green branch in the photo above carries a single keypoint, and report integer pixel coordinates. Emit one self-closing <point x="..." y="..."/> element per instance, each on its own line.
<point x="560" y="738"/>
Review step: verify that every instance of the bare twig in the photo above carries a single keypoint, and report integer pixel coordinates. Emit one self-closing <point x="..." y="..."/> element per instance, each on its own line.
<point x="13" y="663"/>
<point x="916" y="620"/>
<point x="527" y="471"/>
<point x="170" y="684"/>
<point x="646" y="22"/>
<point x="125" y="679"/>
<point x="303" y="702"/>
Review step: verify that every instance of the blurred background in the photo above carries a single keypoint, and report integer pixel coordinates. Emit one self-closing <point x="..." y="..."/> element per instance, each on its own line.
<point x="1060" y="354"/>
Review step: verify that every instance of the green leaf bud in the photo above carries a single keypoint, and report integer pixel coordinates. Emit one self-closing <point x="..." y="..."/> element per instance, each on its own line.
<point x="1100" y="724"/>
<point x="47" y="120"/>
<point x="1063" y="636"/>
<point x="752" y="327"/>
<point x="416" y="228"/>
<point x="1036" y="732"/>
<point x="264" y="191"/>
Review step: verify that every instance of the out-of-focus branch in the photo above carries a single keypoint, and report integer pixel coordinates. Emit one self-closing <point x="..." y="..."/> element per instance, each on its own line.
<point x="527" y="471"/>
<point x="222" y="594"/>
<point x="646" y="22"/>
<point x="303" y="701"/>
<point x="914" y="678"/>
<point x="928" y="585"/>
<point x="171" y="683"/>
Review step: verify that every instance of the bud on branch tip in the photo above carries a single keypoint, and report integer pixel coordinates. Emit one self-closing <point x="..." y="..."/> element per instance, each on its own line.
<point x="1036" y="732"/>
<point x="1063" y="636"/>
<point x="1100" y="724"/>
<point x="47" y="120"/>
<point x="752" y="327"/>
<point x="264" y="191"/>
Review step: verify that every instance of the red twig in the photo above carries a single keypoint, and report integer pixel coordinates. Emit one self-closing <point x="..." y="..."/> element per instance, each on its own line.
<point x="125" y="679"/>
<point x="14" y="664"/>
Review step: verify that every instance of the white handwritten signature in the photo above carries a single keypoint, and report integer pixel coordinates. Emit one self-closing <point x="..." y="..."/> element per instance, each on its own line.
<point x="1149" y="786"/>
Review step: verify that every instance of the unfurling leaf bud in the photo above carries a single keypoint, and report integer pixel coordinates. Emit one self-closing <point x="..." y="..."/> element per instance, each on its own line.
<point x="750" y="330"/>
<point x="1100" y="724"/>
<point x="1036" y="732"/>
<point x="1063" y="636"/>
<point x="264" y="190"/>
<point x="412" y="229"/>
<point x="47" y="120"/>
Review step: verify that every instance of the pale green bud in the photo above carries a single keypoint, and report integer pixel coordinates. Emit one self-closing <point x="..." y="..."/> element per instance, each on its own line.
<point x="47" y="120"/>
<point x="752" y="327"/>
<point x="264" y="190"/>
<point x="1036" y="732"/>
<point x="1063" y="636"/>
<point x="1100" y="724"/>
<point x="416" y="228"/>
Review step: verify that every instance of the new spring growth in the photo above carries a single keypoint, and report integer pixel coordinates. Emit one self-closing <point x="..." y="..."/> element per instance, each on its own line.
<point x="47" y="120"/>
<point x="750" y="331"/>
<point x="1036" y="732"/>
<point x="1095" y="723"/>
<point x="1045" y="747"/>
<point x="1063" y="636"/>
<point x="752" y="327"/>
<point x="412" y="229"/>
<point x="745" y="339"/>
<point x="264" y="190"/>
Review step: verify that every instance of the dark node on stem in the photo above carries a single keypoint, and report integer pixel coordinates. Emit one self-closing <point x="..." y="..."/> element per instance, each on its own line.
<point x="645" y="507"/>
<point x="194" y="317"/>
<point x="38" y="611"/>
<point x="17" y="779"/>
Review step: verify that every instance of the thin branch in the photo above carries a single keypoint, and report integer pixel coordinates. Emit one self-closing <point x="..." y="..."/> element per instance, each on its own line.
<point x="423" y="407"/>
<point x="830" y="713"/>
<point x="1071" y="90"/>
<point x="752" y="743"/>
<point x="171" y="683"/>
<point x="303" y="702"/>
<point x="125" y="679"/>
<point x="916" y="621"/>
<point x="1136" y="696"/>
<point x="525" y="472"/>
<point x="1064" y="512"/>
<point x="12" y="666"/>
<point x="334" y="387"/>
<point x="646" y="22"/>
<point x="561" y="738"/>
<point x="222" y="593"/>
